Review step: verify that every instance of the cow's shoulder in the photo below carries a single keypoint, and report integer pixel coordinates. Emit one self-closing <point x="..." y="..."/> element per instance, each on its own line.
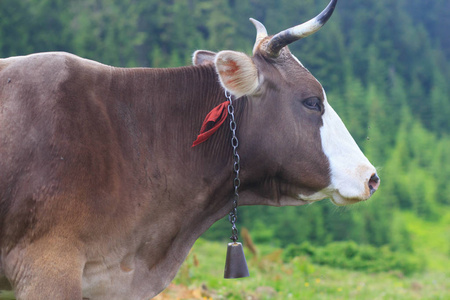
<point x="50" y="103"/>
<point x="56" y="141"/>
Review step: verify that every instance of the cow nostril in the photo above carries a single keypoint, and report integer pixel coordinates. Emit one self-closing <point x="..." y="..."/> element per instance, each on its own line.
<point x="374" y="182"/>
<point x="375" y="178"/>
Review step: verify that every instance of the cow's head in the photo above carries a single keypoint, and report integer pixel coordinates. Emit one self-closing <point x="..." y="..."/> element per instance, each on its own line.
<point x="290" y="134"/>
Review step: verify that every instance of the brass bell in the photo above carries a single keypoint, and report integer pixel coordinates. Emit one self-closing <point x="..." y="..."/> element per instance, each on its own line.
<point x="235" y="264"/>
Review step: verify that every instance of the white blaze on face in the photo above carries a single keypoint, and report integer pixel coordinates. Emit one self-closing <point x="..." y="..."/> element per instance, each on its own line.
<point x="350" y="170"/>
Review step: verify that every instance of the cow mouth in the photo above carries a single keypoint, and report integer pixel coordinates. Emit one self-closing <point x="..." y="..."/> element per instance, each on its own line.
<point x="290" y="195"/>
<point x="334" y="195"/>
<point x="339" y="200"/>
<point x="278" y="193"/>
<point x="344" y="202"/>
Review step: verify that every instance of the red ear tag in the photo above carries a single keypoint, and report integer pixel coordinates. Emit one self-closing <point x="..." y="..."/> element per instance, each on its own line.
<point x="212" y="122"/>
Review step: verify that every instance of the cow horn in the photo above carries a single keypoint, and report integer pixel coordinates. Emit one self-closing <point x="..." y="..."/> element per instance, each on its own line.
<point x="288" y="36"/>
<point x="261" y="32"/>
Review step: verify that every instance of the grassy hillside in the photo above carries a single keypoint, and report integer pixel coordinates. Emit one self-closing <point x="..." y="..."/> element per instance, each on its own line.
<point x="431" y="240"/>
<point x="201" y="277"/>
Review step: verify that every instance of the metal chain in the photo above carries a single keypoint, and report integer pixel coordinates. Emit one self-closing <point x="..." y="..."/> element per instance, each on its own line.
<point x="236" y="168"/>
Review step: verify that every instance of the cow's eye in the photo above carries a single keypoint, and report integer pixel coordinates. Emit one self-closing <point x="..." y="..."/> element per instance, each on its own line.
<point x="313" y="104"/>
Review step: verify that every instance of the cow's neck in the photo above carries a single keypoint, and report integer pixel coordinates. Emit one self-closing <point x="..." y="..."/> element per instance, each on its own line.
<point x="184" y="190"/>
<point x="184" y="98"/>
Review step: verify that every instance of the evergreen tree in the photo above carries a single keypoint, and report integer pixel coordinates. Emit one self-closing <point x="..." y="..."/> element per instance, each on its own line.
<point x="14" y="29"/>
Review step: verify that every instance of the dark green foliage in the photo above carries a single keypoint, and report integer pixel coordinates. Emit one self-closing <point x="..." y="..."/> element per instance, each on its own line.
<point x="349" y="255"/>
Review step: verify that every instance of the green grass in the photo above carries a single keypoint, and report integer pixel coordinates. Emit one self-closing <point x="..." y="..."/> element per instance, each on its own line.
<point x="431" y="239"/>
<point x="270" y="278"/>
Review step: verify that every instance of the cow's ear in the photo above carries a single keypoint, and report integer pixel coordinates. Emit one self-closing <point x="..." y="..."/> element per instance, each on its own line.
<point x="237" y="73"/>
<point x="203" y="57"/>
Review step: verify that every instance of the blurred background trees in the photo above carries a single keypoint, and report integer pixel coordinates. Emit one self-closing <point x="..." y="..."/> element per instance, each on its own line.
<point x="385" y="66"/>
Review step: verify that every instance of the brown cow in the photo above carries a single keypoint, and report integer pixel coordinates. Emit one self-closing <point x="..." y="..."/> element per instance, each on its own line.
<point x="101" y="194"/>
